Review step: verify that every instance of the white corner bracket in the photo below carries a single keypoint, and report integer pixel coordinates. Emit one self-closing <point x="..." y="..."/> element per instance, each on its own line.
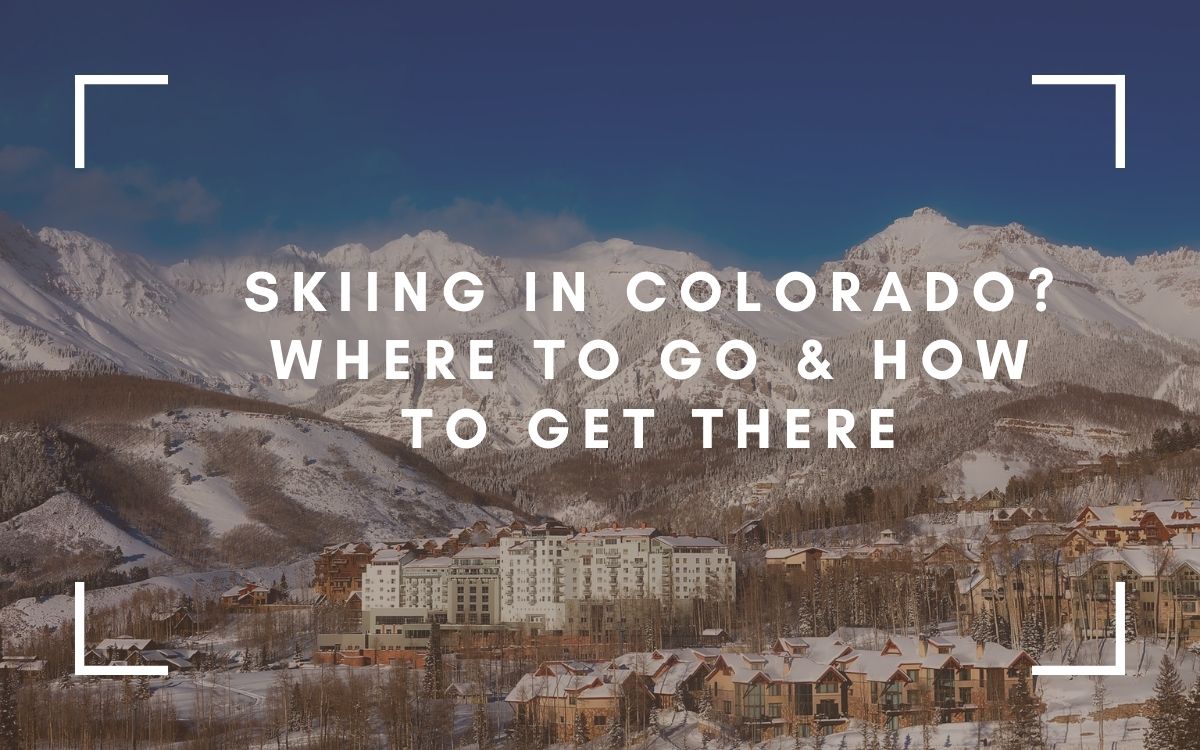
<point x="85" y="670"/>
<point x="1118" y="84"/>
<point x="1116" y="669"/>
<point x="81" y="84"/>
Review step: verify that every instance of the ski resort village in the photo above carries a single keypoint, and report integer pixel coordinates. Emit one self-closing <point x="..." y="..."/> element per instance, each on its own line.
<point x="311" y="576"/>
<point x="535" y="634"/>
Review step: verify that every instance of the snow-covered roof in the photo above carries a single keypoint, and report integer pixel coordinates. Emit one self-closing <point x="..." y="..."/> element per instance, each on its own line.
<point x="690" y="541"/>
<point x="748" y="668"/>
<point x="782" y="553"/>
<point x="123" y="643"/>
<point x="430" y="562"/>
<point x="478" y="552"/>
<point x="615" y="532"/>
<point x="386" y="556"/>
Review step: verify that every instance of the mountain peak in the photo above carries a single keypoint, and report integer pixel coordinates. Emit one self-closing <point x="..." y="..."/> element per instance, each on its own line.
<point x="924" y="216"/>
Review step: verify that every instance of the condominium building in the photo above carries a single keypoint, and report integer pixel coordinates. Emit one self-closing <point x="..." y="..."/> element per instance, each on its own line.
<point x="540" y="575"/>
<point x="473" y="583"/>
<point x="532" y="575"/>
<point x="425" y="585"/>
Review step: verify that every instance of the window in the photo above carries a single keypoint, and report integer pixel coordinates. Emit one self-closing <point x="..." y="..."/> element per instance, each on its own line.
<point x="728" y="707"/>
<point x="827" y="687"/>
<point x="775" y="710"/>
<point x="775" y="689"/>
<point x="600" y="720"/>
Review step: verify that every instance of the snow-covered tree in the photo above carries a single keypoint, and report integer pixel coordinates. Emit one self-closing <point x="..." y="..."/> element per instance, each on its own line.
<point x="1033" y="634"/>
<point x="579" y="734"/>
<point x="1167" y="717"/>
<point x="615" y="739"/>
<point x="983" y="627"/>
<point x="432" y="683"/>
<point x="1023" y="729"/>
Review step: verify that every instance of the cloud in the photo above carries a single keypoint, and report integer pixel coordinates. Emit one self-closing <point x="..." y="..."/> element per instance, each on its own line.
<point x="126" y="195"/>
<point x="494" y="228"/>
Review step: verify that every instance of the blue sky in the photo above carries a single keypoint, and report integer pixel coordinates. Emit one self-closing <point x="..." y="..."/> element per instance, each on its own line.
<point x="775" y="136"/>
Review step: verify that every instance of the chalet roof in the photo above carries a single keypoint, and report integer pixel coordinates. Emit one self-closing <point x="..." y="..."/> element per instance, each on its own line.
<point x="245" y="589"/>
<point x="749" y="668"/>
<point x="962" y="650"/>
<point x="668" y="669"/>
<point x="782" y="553"/>
<point x="123" y="643"/>
<point x="748" y="525"/>
<point x="690" y="541"/>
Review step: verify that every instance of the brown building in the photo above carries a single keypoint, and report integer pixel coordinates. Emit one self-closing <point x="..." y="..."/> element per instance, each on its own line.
<point x="560" y="695"/>
<point x="248" y="596"/>
<point x="338" y="571"/>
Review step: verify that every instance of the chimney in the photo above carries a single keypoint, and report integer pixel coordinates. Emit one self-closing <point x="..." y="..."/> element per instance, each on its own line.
<point x="979" y="651"/>
<point x="922" y="645"/>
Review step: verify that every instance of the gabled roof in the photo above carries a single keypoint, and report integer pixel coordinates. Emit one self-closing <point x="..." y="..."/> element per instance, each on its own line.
<point x="123" y="643"/>
<point x="751" y="668"/>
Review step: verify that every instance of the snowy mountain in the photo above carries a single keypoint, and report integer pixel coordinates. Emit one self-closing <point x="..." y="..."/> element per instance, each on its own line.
<point x="180" y="479"/>
<point x="1113" y="325"/>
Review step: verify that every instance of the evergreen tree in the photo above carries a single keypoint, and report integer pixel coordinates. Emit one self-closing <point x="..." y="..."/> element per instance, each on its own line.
<point x="284" y="590"/>
<point x="432" y="682"/>
<point x="1023" y="729"/>
<point x="10" y="730"/>
<point x="983" y="627"/>
<point x="1033" y="635"/>
<point x="1191" y="723"/>
<point x="891" y="739"/>
<point x="653" y="723"/>
<point x="579" y="734"/>
<point x="705" y="712"/>
<point x="615" y="739"/>
<point x="804" y="618"/>
<point x="295" y="709"/>
<point x="1167" y="729"/>
<point x="141" y="691"/>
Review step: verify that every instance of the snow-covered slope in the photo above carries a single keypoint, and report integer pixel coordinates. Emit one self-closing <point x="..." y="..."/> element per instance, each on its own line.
<point x="319" y="466"/>
<point x="66" y="523"/>
<point x="1113" y="325"/>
